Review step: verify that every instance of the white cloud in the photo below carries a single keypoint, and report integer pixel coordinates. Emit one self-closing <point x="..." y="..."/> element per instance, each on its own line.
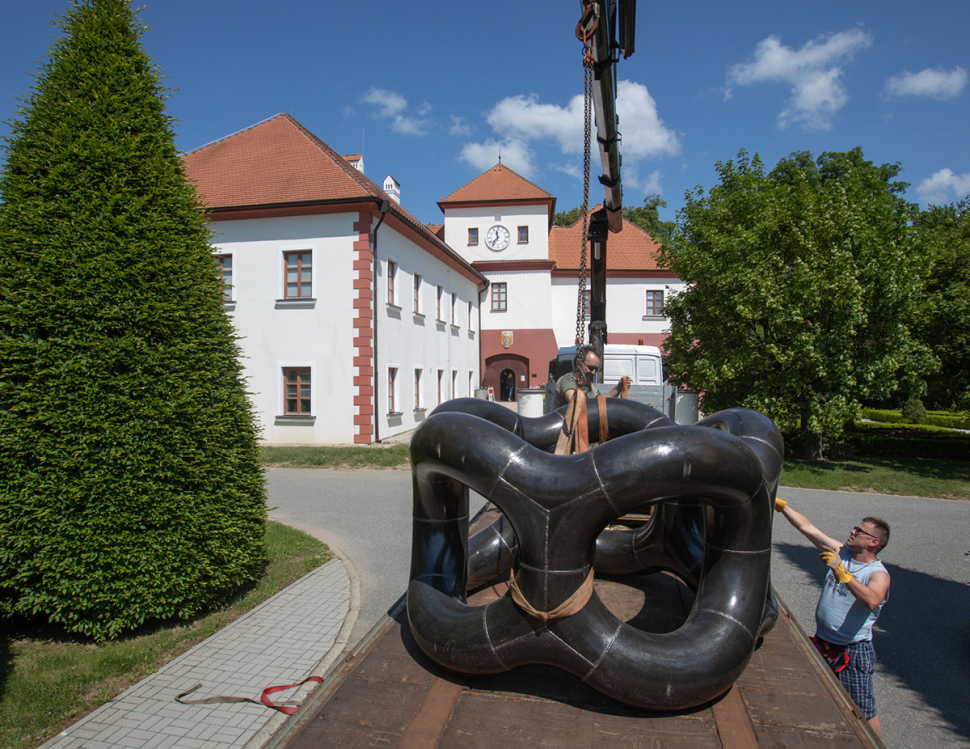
<point x="818" y="91"/>
<point x="391" y="105"/>
<point x="515" y="154"/>
<point x="935" y="83"/>
<point x="527" y="119"/>
<point x="644" y="133"/>
<point x="943" y="187"/>
<point x="458" y="126"/>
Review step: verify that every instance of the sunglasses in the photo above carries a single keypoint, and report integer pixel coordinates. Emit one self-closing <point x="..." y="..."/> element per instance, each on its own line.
<point x="857" y="530"/>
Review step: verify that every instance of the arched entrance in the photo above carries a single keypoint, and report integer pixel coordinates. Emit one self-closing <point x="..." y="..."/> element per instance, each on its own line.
<point x="506" y="373"/>
<point x="507" y="385"/>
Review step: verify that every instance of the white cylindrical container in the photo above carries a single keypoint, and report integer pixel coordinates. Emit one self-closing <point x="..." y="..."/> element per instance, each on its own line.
<point x="530" y="401"/>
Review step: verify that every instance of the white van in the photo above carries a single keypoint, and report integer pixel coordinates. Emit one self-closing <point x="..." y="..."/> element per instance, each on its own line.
<point x="642" y="364"/>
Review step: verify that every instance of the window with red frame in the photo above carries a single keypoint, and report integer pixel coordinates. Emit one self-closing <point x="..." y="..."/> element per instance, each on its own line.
<point x="297" y="391"/>
<point x="299" y="275"/>
<point x="523" y="235"/>
<point x="655" y="304"/>
<point x="224" y="274"/>
<point x="500" y="297"/>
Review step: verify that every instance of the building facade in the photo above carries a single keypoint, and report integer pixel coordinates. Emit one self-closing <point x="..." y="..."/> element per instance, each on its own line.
<point x="355" y="320"/>
<point x="502" y="224"/>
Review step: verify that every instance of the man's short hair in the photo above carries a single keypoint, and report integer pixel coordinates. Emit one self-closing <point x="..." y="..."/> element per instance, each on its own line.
<point x="581" y="353"/>
<point x="882" y="531"/>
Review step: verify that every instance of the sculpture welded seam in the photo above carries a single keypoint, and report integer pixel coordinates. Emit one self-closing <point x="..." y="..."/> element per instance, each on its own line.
<point x="574" y="497"/>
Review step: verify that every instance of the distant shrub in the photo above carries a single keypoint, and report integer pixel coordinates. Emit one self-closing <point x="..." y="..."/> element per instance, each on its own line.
<point x="913" y="411"/>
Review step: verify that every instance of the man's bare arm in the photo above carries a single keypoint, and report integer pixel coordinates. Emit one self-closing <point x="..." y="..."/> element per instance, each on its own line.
<point x="804" y="526"/>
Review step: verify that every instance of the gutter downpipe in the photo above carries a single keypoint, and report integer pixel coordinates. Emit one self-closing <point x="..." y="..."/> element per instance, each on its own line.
<point x="482" y="289"/>
<point x="385" y="209"/>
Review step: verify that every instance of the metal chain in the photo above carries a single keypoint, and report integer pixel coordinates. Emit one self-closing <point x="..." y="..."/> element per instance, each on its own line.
<point x="587" y="130"/>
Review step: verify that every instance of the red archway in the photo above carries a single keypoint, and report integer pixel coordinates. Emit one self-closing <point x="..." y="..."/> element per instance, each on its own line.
<point x="494" y="366"/>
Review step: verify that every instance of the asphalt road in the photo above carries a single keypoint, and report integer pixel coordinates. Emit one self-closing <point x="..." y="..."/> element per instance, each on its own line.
<point x="923" y="676"/>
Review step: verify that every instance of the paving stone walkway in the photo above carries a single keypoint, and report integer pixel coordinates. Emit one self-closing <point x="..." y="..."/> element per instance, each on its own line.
<point x="297" y="633"/>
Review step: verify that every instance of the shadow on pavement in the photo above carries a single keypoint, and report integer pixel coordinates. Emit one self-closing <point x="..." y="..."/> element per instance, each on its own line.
<point x="920" y="636"/>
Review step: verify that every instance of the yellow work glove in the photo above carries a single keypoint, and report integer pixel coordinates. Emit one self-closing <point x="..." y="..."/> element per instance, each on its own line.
<point x="833" y="560"/>
<point x="779" y="504"/>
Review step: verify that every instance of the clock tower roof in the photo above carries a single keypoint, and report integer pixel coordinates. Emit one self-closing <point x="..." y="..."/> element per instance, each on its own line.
<point x="499" y="186"/>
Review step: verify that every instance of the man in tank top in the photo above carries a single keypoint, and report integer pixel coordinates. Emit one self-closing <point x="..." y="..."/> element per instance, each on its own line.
<point x="855" y="590"/>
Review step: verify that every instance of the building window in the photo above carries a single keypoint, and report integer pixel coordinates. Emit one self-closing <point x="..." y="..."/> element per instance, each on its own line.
<point x="441" y="377"/>
<point x="454" y="308"/>
<point x="392" y="390"/>
<point x="391" y="282"/>
<point x="224" y="274"/>
<point x="655" y="304"/>
<point x="297" y="391"/>
<point x="441" y="293"/>
<point x="417" y="294"/>
<point x="523" y="235"/>
<point x="470" y="376"/>
<point x="454" y="383"/>
<point x="299" y="275"/>
<point x="472" y="237"/>
<point x="417" y="389"/>
<point x="470" y="317"/>
<point x="586" y="303"/>
<point x="500" y="297"/>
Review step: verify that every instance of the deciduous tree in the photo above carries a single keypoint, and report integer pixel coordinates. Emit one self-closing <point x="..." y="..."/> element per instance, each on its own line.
<point x="802" y="281"/>
<point x="130" y="487"/>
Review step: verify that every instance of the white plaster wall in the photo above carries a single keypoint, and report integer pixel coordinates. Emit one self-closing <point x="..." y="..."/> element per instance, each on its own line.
<point x="536" y="217"/>
<point x="529" y="296"/>
<point x="274" y="336"/>
<point x="410" y="340"/>
<point x="625" y="306"/>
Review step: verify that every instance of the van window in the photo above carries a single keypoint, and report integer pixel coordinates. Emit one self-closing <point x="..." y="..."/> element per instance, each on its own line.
<point x="616" y="367"/>
<point x="647" y="370"/>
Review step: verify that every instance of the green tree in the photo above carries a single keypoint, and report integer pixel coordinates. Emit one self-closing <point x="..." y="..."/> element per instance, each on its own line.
<point x="567" y="218"/>
<point x="802" y="281"/>
<point x="648" y="218"/>
<point x="130" y="487"/>
<point x="943" y="322"/>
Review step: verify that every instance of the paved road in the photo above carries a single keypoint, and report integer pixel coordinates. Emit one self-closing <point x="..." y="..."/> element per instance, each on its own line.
<point x="923" y="682"/>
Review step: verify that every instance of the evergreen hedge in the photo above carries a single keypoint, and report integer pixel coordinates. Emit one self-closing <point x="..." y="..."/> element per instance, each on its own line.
<point x="130" y="485"/>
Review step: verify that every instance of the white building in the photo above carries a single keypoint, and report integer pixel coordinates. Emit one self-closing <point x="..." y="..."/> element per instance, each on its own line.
<point x="502" y="224"/>
<point x="355" y="320"/>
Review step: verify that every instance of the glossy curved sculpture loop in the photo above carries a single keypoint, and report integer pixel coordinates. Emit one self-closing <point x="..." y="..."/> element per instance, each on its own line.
<point x="712" y="486"/>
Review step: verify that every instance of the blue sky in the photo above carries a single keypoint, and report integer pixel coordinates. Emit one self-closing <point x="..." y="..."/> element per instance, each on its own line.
<point x="431" y="92"/>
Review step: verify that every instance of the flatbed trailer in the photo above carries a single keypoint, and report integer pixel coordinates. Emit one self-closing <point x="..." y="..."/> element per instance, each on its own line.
<point x="387" y="693"/>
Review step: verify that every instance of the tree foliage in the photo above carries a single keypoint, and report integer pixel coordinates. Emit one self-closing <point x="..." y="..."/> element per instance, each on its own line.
<point x="802" y="283"/>
<point x="943" y="321"/>
<point x="648" y="218"/>
<point x="130" y="487"/>
<point x="567" y="218"/>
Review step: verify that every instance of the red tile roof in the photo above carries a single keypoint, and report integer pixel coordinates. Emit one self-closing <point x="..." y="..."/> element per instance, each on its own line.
<point x="498" y="184"/>
<point x="630" y="249"/>
<point x="279" y="162"/>
<point x="275" y="162"/>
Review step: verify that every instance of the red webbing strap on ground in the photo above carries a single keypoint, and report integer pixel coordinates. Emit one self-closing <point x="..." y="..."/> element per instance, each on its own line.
<point x="289" y="707"/>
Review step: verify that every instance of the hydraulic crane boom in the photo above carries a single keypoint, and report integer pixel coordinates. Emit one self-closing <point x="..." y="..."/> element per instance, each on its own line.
<point x="599" y="25"/>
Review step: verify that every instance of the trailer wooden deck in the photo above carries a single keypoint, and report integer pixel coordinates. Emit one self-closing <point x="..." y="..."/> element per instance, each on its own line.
<point x="387" y="693"/>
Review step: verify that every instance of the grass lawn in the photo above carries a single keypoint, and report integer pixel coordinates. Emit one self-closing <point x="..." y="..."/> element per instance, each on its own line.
<point x="378" y="456"/>
<point x="914" y="477"/>
<point x="50" y="679"/>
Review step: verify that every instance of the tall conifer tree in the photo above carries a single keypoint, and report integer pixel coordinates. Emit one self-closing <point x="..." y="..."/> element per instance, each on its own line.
<point x="130" y="487"/>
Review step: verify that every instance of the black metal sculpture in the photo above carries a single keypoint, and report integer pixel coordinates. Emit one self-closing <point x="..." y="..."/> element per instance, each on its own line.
<point x="712" y="486"/>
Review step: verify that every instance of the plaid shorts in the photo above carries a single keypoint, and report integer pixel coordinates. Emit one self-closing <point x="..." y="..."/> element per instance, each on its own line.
<point x="856" y="678"/>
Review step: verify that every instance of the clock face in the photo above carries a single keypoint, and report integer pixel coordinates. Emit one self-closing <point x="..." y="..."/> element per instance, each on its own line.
<point x="497" y="237"/>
